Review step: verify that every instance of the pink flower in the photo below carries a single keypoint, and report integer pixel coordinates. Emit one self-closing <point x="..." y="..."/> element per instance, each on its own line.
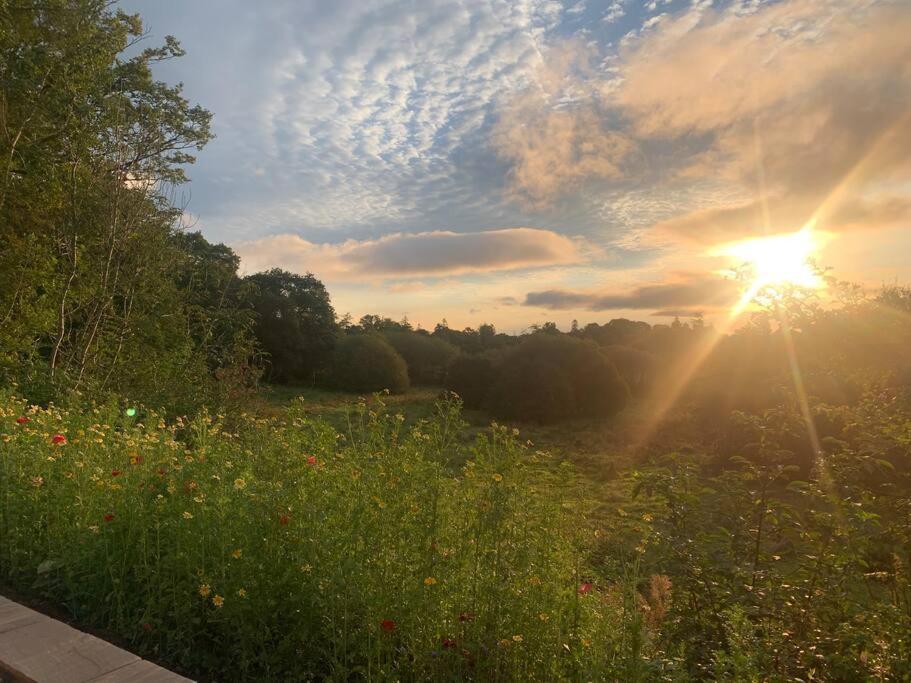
<point x="311" y="460"/>
<point x="585" y="588"/>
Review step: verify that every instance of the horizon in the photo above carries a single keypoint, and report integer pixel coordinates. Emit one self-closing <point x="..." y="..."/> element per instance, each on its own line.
<point x="515" y="163"/>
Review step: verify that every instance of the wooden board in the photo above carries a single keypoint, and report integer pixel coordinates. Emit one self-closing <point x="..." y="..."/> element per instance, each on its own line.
<point x="35" y="648"/>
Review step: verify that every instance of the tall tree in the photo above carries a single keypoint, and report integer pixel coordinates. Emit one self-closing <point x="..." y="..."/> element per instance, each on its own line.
<point x="295" y="324"/>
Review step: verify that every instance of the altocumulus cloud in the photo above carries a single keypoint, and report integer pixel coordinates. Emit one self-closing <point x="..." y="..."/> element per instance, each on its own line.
<point x="688" y="291"/>
<point x="436" y="253"/>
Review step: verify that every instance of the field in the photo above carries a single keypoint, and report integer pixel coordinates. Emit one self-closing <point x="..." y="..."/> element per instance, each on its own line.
<point x="366" y="543"/>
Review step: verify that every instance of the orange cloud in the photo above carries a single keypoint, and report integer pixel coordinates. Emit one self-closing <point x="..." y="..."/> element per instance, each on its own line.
<point x="436" y="253"/>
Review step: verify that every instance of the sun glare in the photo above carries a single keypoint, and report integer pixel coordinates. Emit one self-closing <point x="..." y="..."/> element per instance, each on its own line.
<point x="778" y="260"/>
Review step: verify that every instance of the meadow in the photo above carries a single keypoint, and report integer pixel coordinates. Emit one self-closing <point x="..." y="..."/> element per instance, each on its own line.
<point x="285" y="549"/>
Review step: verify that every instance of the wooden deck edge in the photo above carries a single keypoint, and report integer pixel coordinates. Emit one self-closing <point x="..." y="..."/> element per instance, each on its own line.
<point x="35" y="648"/>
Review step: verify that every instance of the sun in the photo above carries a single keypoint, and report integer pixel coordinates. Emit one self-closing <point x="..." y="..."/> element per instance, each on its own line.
<point x="780" y="260"/>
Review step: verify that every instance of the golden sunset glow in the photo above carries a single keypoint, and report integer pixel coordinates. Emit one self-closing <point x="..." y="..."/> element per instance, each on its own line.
<point x="779" y="260"/>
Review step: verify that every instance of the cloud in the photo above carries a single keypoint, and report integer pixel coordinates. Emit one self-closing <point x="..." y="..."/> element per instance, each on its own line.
<point x="555" y="134"/>
<point x="806" y="103"/>
<point x="436" y="253"/>
<point x="688" y="290"/>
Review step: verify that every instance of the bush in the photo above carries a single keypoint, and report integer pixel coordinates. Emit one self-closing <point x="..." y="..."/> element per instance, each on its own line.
<point x="550" y="377"/>
<point x="365" y="363"/>
<point x="470" y="377"/>
<point x="426" y="356"/>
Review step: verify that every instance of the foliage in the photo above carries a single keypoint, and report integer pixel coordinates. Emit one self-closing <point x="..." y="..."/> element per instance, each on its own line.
<point x="367" y="363"/>
<point x="295" y="324"/>
<point x="553" y="376"/>
<point x="282" y="550"/>
<point x="93" y="291"/>
<point x="469" y="376"/>
<point x="427" y="357"/>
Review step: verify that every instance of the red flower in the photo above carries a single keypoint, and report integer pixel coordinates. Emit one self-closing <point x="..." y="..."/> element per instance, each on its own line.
<point x="284" y="519"/>
<point x="387" y="625"/>
<point x="22" y="420"/>
<point x="147" y="627"/>
<point x="59" y="439"/>
<point x="109" y="517"/>
<point x="585" y="588"/>
<point x="311" y="460"/>
<point x="465" y="616"/>
<point x="448" y="643"/>
<point x="115" y="473"/>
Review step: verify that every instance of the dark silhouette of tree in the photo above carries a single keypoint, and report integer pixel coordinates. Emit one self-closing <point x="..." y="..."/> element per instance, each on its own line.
<point x="295" y="324"/>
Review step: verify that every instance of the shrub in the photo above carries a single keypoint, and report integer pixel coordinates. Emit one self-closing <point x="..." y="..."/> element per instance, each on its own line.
<point x="366" y="363"/>
<point x="470" y="376"/>
<point x="550" y="377"/>
<point x="426" y="356"/>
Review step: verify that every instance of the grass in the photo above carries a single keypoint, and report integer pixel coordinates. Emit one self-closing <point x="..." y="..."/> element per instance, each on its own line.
<point x="326" y="541"/>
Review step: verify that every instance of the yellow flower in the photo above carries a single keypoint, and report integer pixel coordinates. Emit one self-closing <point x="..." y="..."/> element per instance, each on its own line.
<point x="517" y="638"/>
<point x="134" y="459"/>
<point x="218" y="601"/>
<point x="188" y="515"/>
<point x="93" y="529"/>
<point x="204" y="590"/>
<point x="429" y="581"/>
<point x="306" y="568"/>
<point x="37" y="482"/>
<point x="236" y="554"/>
<point x="543" y="616"/>
<point x="241" y="593"/>
<point x="498" y="477"/>
<point x="239" y="484"/>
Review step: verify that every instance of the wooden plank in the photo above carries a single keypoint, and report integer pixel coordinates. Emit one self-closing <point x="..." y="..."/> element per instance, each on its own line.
<point x="140" y="672"/>
<point x="38" y="648"/>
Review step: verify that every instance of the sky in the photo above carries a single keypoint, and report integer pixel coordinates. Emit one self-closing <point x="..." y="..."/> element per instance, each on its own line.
<point x="522" y="161"/>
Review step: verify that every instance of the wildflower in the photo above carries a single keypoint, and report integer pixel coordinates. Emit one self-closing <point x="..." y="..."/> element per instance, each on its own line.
<point x="311" y="460"/>
<point x="205" y="590"/>
<point x="115" y="473"/>
<point x="218" y="601"/>
<point x="306" y="568"/>
<point x="22" y="420"/>
<point x="109" y="517"/>
<point x="429" y="581"/>
<point x="135" y="459"/>
<point x="284" y="519"/>
<point x="241" y="592"/>
<point x="498" y="477"/>
<point x="585" y="588"/>
<point x="37" y="482"/>
<point x="69" y="475"/>
<point x="236" y="554"/>
<point x="465" y="616"/>
<point x="147" y="627"/>
<point x="240" y="484"/>
<point x="187" y="515"/>
<point x="448" y="643"/>
<point x="517" y="638"/>
<point x="59" y="439"/>
<point x="94" y="528"/>
<point x="543" y="616"/>
<point x="387" y="625"/>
